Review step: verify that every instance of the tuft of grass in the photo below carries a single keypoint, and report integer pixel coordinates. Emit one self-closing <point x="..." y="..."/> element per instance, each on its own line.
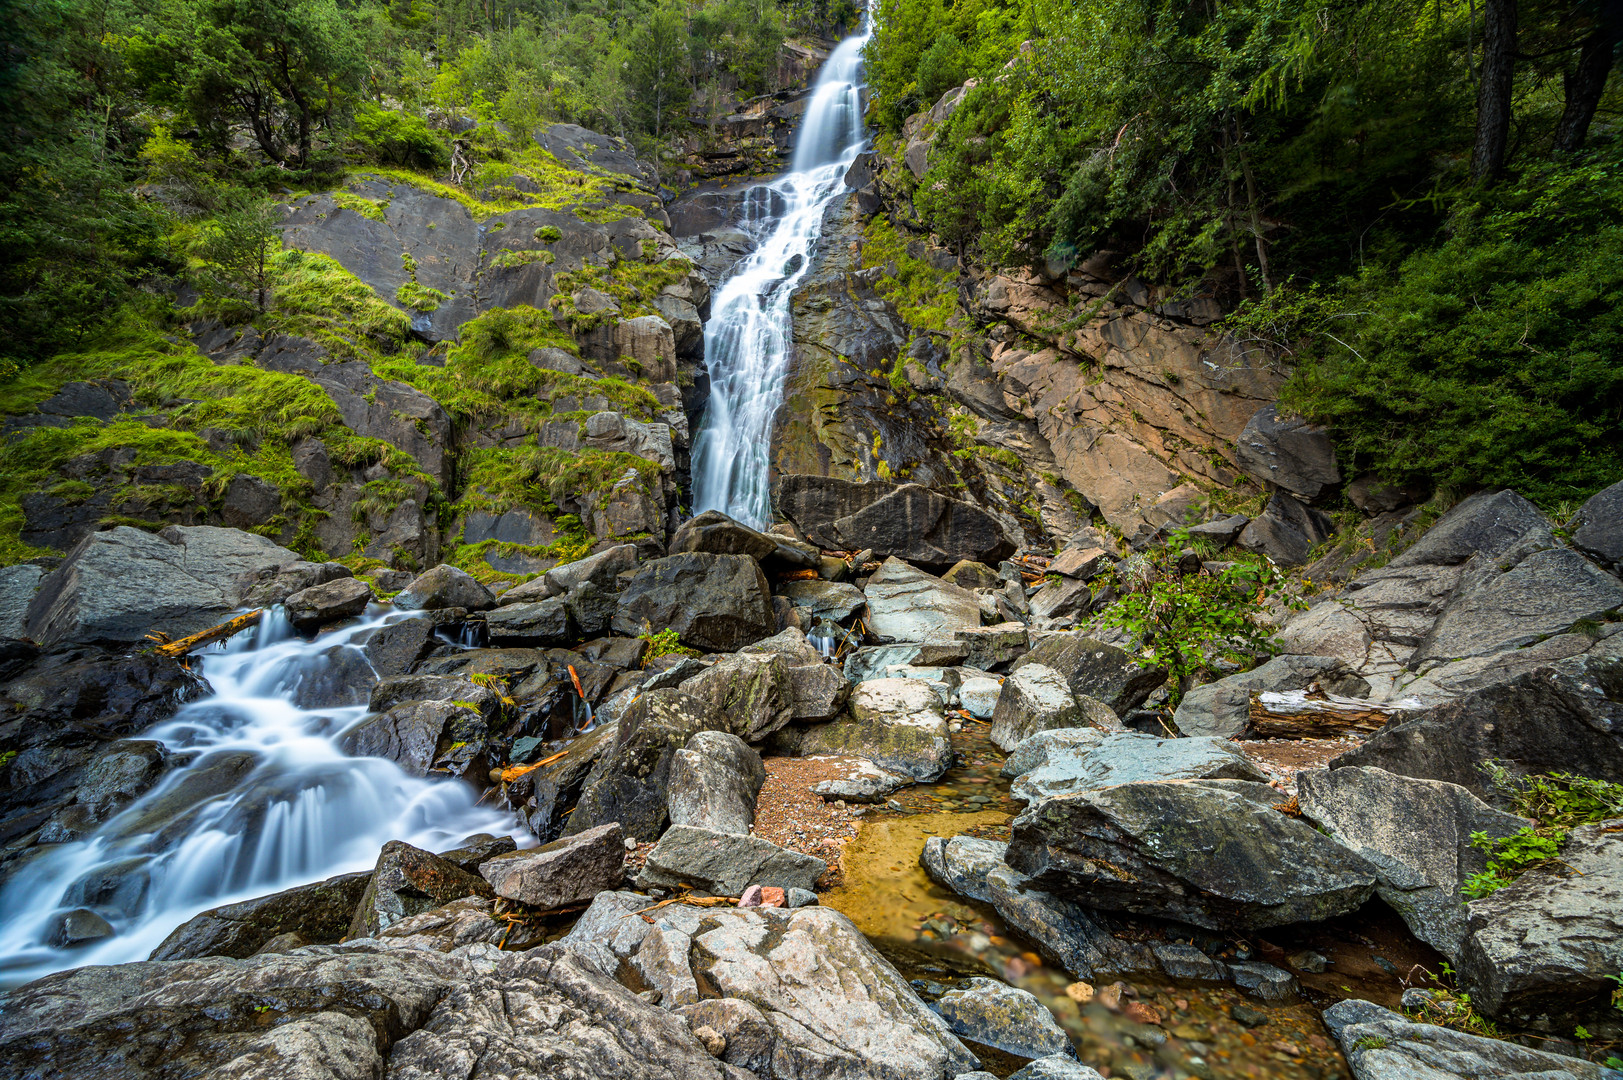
<point x="420" y="297"/>
<point x="367" y="208"/>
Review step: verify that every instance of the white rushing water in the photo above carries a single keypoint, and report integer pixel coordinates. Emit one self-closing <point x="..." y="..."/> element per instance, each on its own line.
<point x="749" y="335"/>
<point x="294" y="809"/>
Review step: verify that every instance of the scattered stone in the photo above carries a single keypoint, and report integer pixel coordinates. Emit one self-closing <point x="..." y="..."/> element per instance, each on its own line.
<point x="724" y="864"/>
<point x="1417" y="832"/>
<point x="444" y="587"/>
<point x="1037" y="698"/>
<point x="898" y="724"/>
<point x="765" y="896"/>
<point x="478" y="848"/>
<point x="1214" y="853"/>
<point x="719" y="603"/>
<point x="998" y="1015"/>
<point x="322" y="912"/>
<point x="862" y="782"/>
<point x="322" y="604"/>
<point x="1309" y="961"/>
<point x="1187" y="964"/>
<point x="1130" y="757"/>
<point x="832" y="600"/>
<point x="978" y="697"/>
<point x="409" y="881"/>
<point x="715" y="780"/>
<point x="1056" y="1067"/>
<point x="968" y="574"/>
<point x="906" y="604"/>
<point x="1093" y="669"/>
<point x="1067" y="598"/>
<point x="1374" y="496"/>
<point x="1271" y="984"/>
<point x="1221" y="531"/>
<point x="799" y="898"/>
<point x="567" y="871"/>
<point x="1383" y="1045"/>
<point x="1083" y="563"/>
<point x="1248" y="1015"/>
<point x="80" y="926"/>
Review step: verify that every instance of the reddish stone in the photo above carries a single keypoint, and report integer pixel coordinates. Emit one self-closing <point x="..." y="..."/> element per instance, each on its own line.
<point x="1142" y="1012"/>
<point x="772" y="896"/>
<point x="751" y="897"/>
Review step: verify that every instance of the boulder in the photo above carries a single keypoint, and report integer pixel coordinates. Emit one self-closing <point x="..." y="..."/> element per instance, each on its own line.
<point x="1221" y="531"/>
<point x="796" y="991"/>
<point x="1597" y="527"/>
<point x="1096" y="670"/>
<point x="18" y="584"/>
<point x="122" y="584"/>
<point x="979" y="697"/>
<point x="1082" y="561"/>
<point x="1544" y="950"/>
<point x="1056" y="1067"/>
<point x="832" y="600"/>
<point x="718" y="603"/>
<point x="753" y="690"/>
<point x="321" y="912"/>
<point x="1384" y="1045"/>
<point x="352" y="1011"/>
<point x="1074" y="935"/>
<point x="273" y="585"/>
<point x="724" y="863"/>
<point x="478" y="848"/>
<point x="1037" y="698"/>
<point x="1062" y="599"/>
<point x="967" y="574"/>
<point x="564" y="872"/>
<point x="468" y="921"/>
<point x="409" y="881"/>
<point x="715" y="780"/>
<point x="544" y="622"/>
<point x="628" y="783"/>
<point x="1288" y="452"/>
<point x="602" y="569"/>
<point x="1374" y="496"/>
<point x="861" y="781"/>
<point x="1287" y="532"/>
<point x="898" y="724"/>
<point x="908" y="521"/>
<point x="444" y="587"/>
<point x="1214" y="853"/>
<point x="986" y="647"/>
<point x="719" y="534"/>
<point x="1223" y="708"/>
<point x="907" y="604"/>
<point x="396" y="647"/>
<point x="1554" y="719"/>
<point x="818" y="689"/>
<point x="1130" y="757"/>
<point x="998" y="1015"/>
<point x="1489" y="524"/>
<point x="322" y="604"/>
<point x="1418" y="835"/>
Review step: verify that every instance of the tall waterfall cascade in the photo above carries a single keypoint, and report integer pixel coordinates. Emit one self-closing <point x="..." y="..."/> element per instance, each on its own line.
<point x="268" y="801"/>
<point x="750" y="334"/>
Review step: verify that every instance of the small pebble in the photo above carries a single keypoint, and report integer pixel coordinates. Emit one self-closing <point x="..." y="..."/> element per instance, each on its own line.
<point x="1248" y="1016"/>
<point x="1080" y="992"/>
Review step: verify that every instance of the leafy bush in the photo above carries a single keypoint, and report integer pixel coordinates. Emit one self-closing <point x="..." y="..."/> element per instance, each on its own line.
<point x="1557" y="803"/>
<point x="664" y="643"/>
<point x="398" y="138"/>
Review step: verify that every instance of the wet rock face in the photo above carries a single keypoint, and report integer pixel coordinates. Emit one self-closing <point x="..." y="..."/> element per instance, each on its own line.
<point x="1094" y="669"/>
<point x="906" y="604"/>
<point x="1214" y="853"/>
<point x="718" y="603"/>
<point x="321" y="913"/>
<point x="908" y="521"/>
<point x="1384" y="1045"/>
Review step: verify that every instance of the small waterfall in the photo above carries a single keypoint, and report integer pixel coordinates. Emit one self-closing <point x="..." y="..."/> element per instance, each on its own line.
<point x="268" y="801"/>
<point x="750" y="332"/>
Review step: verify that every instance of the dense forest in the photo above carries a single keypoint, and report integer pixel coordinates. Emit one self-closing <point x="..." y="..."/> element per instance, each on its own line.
<point x="1418" y="202"/>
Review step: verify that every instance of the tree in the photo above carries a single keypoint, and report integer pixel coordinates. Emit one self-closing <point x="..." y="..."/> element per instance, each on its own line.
<point x="282" y="67"/>
<point x="1585" y="84"/>
<point x="1494" y="90"/>
<point x="235" y="251"/>
<point x="658" y="69"/>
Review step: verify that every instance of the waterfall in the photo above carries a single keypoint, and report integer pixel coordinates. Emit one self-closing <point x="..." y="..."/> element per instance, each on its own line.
<point x="750" y="333"/>
<point x="267" y="801"/>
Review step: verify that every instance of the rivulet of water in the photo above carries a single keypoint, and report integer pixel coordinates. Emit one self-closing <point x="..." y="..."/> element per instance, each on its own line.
<point x="748" y="338"/>
<point x="267" y="801"/>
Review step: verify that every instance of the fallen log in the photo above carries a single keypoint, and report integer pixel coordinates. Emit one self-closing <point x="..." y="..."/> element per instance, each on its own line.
<point x="1298" y="714"/>
<point x="226" y="629"/>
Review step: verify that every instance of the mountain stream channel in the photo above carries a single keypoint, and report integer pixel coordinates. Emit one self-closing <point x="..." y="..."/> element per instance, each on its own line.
<point x="266" y="800"/>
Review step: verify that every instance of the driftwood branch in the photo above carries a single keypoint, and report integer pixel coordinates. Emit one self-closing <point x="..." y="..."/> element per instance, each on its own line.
<point x="203" y="637"/>
<point x="1299" y="715"/>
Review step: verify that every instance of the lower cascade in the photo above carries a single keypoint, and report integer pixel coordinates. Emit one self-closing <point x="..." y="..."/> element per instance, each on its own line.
<point x="748" y="338"/>
<point x="267" y="801"/>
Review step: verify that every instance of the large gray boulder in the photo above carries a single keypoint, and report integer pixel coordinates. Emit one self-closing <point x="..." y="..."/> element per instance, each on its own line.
<point x="628" y="783"/>
<point x="820" y="690"/>
<point x="1288" y="452"/>
<point x="718" y="603"/>
<point x="409" y="881"/>
<point x="444" y="586"/>
<point x="832" y="600"/>
<point x="329" y="602"/>
<point x="347" y="1012"/>
<point x="898" y="724"/>
<point x="1096" y="670"/>
<point x="1597" y="527"/>
<point x="1489" y="524"/>
<point x="1384" y="1045"/>
<point x="1214" y="853"/>
<point x="753" y="689"/>
<point x="1074" y="935"/>
<point x="715" y="780"/>
<point x="564" y="872"/>
<point x="1562" y="718"/>
<point x="1223" y="708"/>
<point x="1001" y="1016"/>
<point x="907" y="604"/>
<point x="1287" y="531"/>
<point x="18" y="584"/>
<point x="1037" y="698"/>
<point x="122" y="584"/>
<point x="421" y="722"/>
<point x="906" y="521"/>
<point x="797" y="992"/>
<point x="602" y="569"/>
<point x="320" y="913"/>
<point x="719" y="534"/>
<point x="1544" y="949"/>
<point x="1130" y="757"/>
<point x="1417" y="833"/>
<point x="725" y="863"/>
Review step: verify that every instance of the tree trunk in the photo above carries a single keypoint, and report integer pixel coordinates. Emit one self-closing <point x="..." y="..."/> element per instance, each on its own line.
<point x="1493" y="92"/>
<point x="1585" y="85"/>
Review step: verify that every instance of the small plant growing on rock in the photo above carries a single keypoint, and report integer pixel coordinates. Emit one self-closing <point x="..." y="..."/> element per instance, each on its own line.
<point x="1557" y="803"/>
<point x="665" y="643"/>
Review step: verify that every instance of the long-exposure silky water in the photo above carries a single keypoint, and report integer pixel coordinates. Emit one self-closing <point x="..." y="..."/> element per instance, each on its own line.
<point x="750" y="333"/>
<point x="266" y="801"/>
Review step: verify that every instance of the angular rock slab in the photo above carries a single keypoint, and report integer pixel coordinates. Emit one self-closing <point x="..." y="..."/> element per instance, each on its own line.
<point x="321" y="912"/>
<point x="715" y="781"/>
<point x="861" y="781"/>
<point x="1094" y="669"/>
<point x="1288" y="452"/>
<point x="1037" y="698"/>
<point x="1418" y="832"/>
<point x="1055" y="1067"/>
<point x="1384" y="1045"/>
<point x="724" y="864"/>
<point x="1130" y="757"/>
<point x="1543" y="949"/>
<point x="409" y="881"/>
<point x="753" y="689"/>
<point x="907" y="604"/>
<point x="999" y="1015"/>
<point x="328" y="602"/>
<point x="564" y="872"/>
<point x="718" y="603"/>
<point x="444" y="586"/>
<point x="1597" y="527"/>
<point x="1209" y="852"/>
<point x="898" y="724"/>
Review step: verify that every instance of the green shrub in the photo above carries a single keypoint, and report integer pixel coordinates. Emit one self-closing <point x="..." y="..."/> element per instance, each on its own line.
<point x="1557" y="803"/>
<point x="397" y="138"/>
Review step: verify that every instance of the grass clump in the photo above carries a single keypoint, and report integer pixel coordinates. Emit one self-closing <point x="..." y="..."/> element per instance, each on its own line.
<point x="315" y="297"/>
<point x="420" y="297"/>
<point x="1557" y="803"/>
<point x="367" y="208"/>
<point x="664" y="643"/>
<point x="926" y="297"/>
